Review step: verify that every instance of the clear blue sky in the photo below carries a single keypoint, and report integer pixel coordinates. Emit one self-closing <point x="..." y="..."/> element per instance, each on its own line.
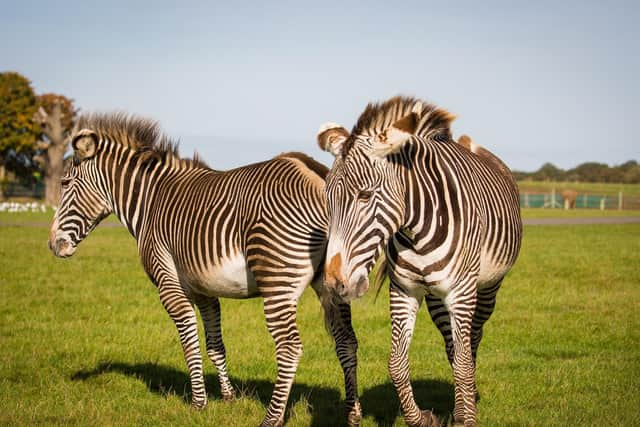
<point x="243" y="81"/>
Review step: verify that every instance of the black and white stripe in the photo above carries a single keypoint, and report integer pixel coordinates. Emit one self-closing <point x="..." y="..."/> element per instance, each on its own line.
<point x="448" y="218"/>
<point x="255" y="231"/>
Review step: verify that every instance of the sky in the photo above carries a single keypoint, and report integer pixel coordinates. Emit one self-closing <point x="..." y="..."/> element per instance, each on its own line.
<point x="240" y="82"/>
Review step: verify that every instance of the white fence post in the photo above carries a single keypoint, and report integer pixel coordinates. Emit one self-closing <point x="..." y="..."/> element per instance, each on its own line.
<point x="619" y="200"/>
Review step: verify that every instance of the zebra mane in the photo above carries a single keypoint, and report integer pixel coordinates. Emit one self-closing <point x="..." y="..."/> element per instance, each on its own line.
<point x="141" y="134"/>
<point x="432" y="120"/>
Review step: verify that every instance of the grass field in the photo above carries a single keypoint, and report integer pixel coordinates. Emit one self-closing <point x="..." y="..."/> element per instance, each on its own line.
<point x="44" y="218"/>
<point x="85" y="341"/>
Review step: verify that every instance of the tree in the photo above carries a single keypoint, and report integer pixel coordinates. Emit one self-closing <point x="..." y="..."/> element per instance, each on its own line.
<point x="548" y="172"/>
<point x="18" y="104"/>
<point x="55" y="115"/>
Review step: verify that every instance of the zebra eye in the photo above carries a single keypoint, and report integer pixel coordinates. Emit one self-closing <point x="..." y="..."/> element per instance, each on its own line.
<point x="365" y="195"/>
<point x="65" y="181"/>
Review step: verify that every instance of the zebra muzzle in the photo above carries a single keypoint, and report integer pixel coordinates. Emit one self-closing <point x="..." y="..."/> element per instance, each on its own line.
<point x="61" y="247"/>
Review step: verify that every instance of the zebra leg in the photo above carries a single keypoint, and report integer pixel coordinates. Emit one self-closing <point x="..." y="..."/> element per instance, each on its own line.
<point x="484" y="309"/>
<point x="210" y="311"/>
<point x="403" y="317"/>
<point x="180" y="309"/>
<point x="462" y="308"/>
<point x="338" y="321"/>
<point x="280" y="313"/>
<point x="440" y="316"/>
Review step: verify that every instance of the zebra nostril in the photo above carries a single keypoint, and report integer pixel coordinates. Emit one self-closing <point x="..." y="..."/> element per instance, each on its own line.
<point x="341" y="289"/>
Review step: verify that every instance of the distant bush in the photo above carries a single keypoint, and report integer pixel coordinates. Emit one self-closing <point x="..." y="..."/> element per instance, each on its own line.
<point x="626" y="173"/>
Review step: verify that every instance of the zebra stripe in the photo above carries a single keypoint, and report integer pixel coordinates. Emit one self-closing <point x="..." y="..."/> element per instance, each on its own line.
<point x="255" y="231"/>
<point x="448" y="217"/>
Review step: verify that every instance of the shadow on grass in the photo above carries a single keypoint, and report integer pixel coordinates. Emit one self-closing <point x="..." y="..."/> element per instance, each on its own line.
<point x="326" y="404"/>
<point x="166" y="381"/>
<point x="382" y="402"/>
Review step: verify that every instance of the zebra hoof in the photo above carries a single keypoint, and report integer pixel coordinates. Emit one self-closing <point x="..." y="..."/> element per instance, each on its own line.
<point x="229" y="396"/>
<point x="199" y="405"/>
<point x="272" y="423"/>
<point x="354" y="416"/>
<point x="427" y="419"/>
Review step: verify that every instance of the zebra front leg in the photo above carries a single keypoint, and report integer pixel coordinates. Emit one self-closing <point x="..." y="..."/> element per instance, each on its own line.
<point x="210" y="311"/>
<point x="180" y="309"/>
<point x="462" y="308"/>
<point x="403" y="317"/>
<point x="337" y="317"/>
<point x="280" y="313"/>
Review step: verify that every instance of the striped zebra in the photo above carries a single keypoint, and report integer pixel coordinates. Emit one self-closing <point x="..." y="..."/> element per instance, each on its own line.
<point x="448" y="218"/>
<point x="255" y="231"/>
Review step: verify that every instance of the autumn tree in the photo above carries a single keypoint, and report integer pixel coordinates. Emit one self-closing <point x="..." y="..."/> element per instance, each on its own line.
<point x="55" y="116"/>
<point x="18" y="104"/>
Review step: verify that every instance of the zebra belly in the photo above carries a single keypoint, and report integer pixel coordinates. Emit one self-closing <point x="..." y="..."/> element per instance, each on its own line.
<point x="231" y="278"/>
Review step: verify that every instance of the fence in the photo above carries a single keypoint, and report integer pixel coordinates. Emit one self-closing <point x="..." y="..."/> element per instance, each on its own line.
<point x="14" y="189"/>
<point x="554" y="200"/>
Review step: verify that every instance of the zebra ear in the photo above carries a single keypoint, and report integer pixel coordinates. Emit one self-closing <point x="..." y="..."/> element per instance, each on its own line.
<point x="84" y="144"/>
<point x="331" y="136"/>
<point x="393" y="138"/>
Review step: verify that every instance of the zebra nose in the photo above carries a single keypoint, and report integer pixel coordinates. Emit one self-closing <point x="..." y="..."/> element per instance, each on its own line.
<point x="61" y="247"/>
<point x="342" y="290"/>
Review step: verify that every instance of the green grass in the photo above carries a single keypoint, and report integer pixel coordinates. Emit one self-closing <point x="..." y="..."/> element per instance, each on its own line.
<point x="598" y="188"/>
<point x="37" y="218"/>
<point x="44" y="218"/>
<point x="85" y="341"/>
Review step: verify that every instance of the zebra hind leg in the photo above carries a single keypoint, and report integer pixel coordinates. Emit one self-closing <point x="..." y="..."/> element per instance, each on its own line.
<point x="180" y="309"/>
<point x="338" y="322"/>
<point x="210" y="312"/>
<point x="403" y="316"/>
<point x="440" y="317"/>
<point x="484" y="308"/>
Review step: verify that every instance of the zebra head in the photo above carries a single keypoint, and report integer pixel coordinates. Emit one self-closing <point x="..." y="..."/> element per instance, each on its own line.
<point x="367" y="187"/>
<point x="365" y="202"/>
<point x="83" y="202"/>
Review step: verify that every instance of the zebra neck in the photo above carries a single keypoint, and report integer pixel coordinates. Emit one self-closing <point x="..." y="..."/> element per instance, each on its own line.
<point x="133" y="190"/>
<point x="427" y="197"/>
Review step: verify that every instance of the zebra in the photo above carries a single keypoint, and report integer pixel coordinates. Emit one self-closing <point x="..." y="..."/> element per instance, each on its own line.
<point x="254" y="231"/>
<point x="447" y="216"/>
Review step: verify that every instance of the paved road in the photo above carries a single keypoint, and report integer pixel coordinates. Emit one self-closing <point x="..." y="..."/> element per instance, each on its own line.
<point x="527" y="221"/>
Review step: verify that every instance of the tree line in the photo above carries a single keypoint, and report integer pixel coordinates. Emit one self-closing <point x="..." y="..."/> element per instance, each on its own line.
<point x="626" y="173"/>
<point x="34" y="130"/>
